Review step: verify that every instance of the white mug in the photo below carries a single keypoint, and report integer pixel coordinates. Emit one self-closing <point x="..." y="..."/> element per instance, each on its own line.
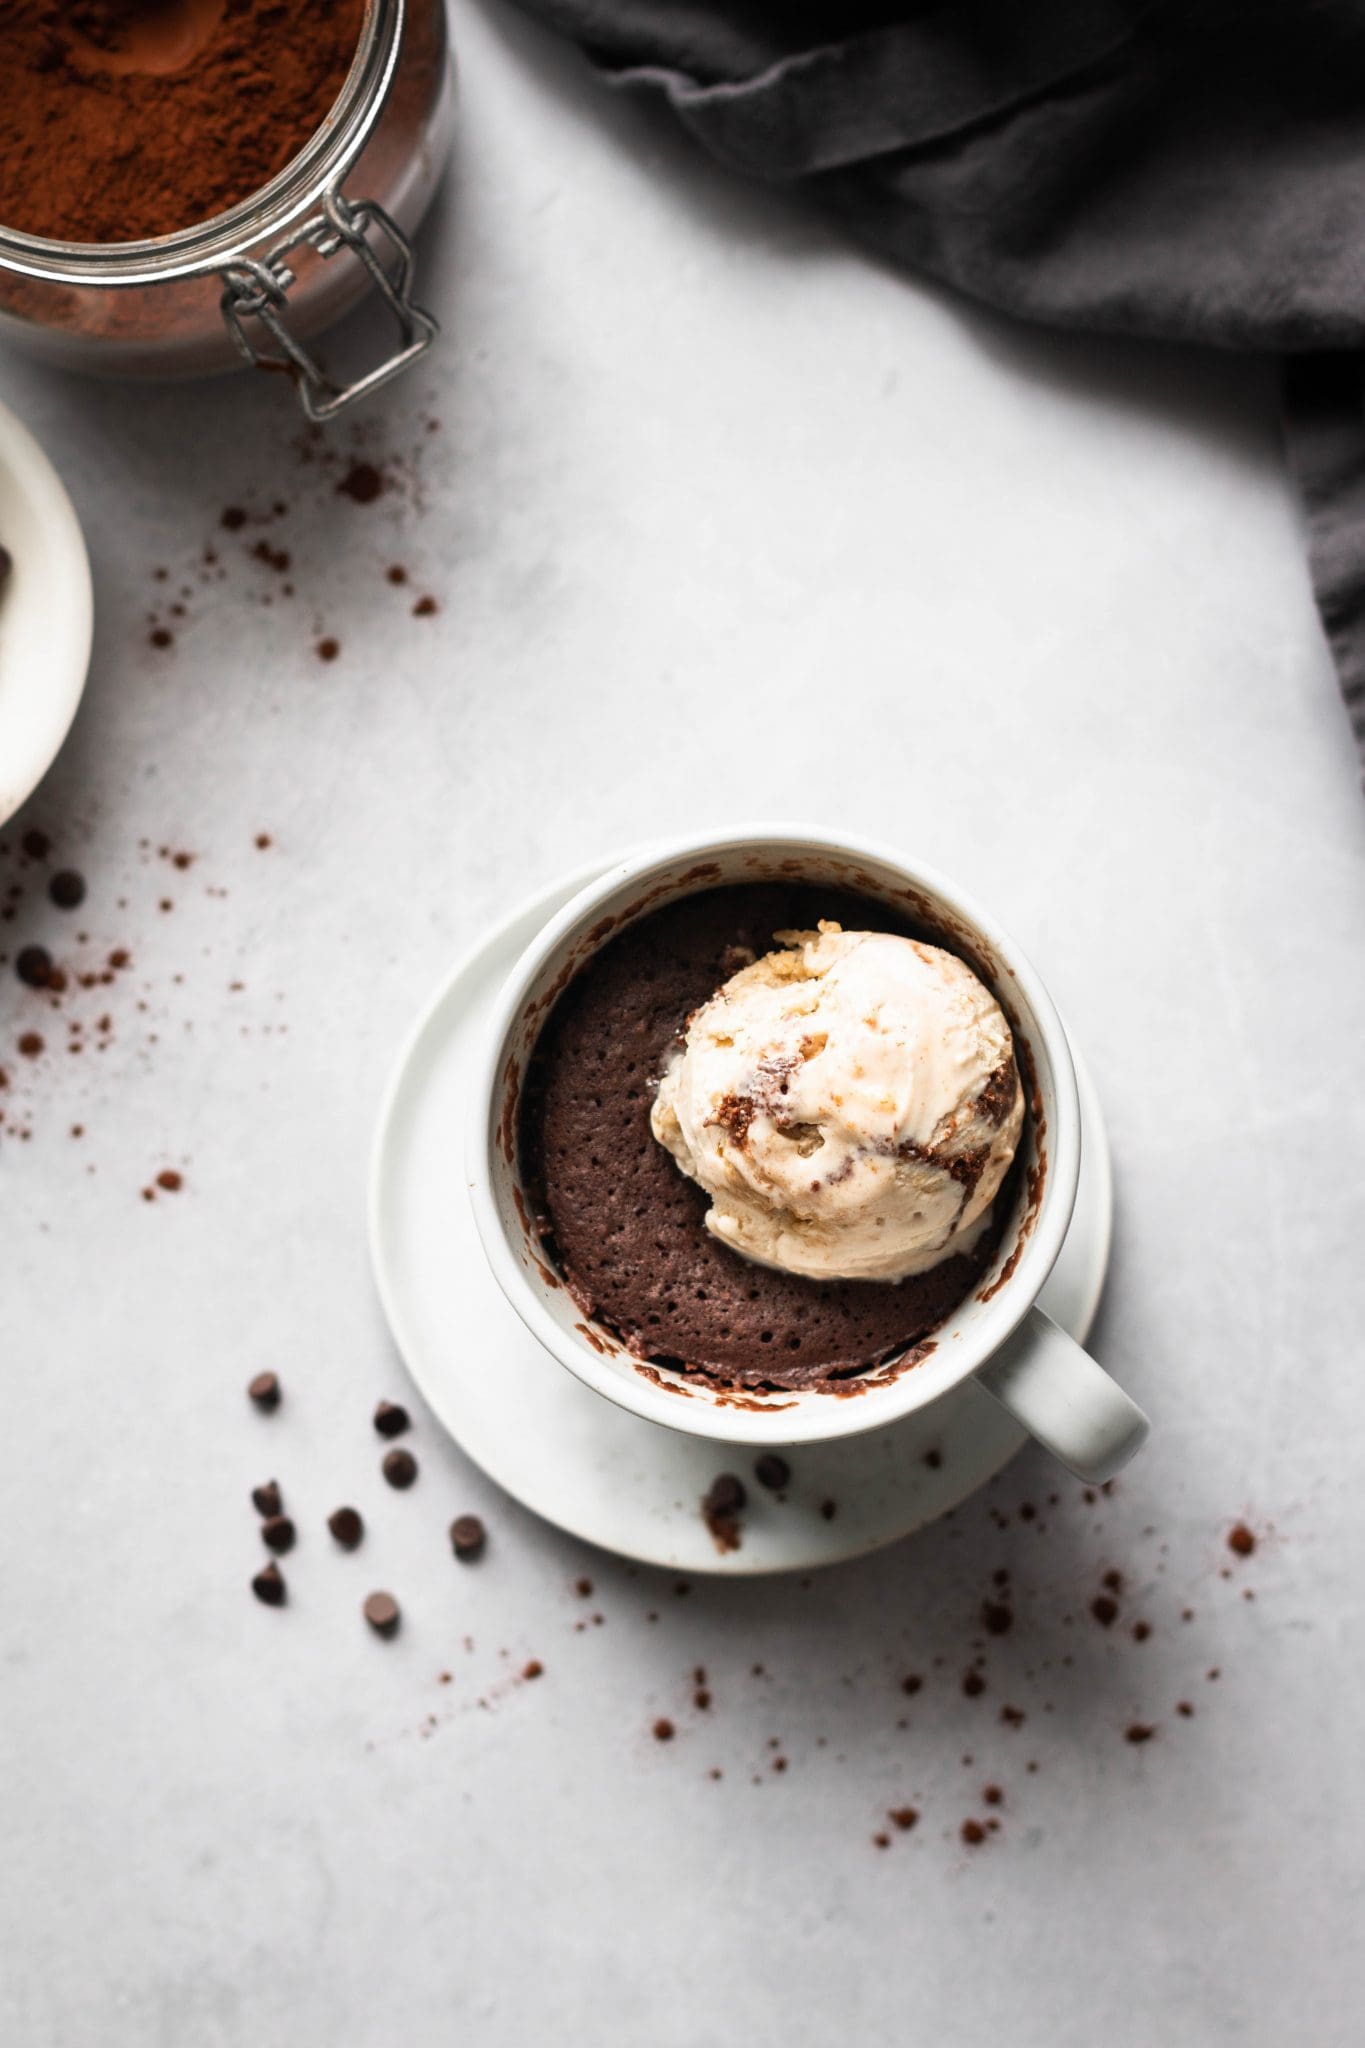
<point x="998" y="1333"/>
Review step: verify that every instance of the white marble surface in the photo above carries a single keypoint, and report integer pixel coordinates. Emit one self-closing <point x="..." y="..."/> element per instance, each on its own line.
<point x="723" y="519"/>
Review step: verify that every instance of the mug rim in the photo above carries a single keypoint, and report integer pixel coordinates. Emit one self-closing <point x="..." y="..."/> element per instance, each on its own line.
<point x="1015" y="1292"/>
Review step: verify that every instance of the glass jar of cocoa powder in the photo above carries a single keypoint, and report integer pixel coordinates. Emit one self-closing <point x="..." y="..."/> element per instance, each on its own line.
<point x="93" y="275"/>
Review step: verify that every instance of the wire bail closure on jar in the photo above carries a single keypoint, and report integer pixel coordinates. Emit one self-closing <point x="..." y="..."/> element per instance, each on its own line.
<point x="257" y="289"/>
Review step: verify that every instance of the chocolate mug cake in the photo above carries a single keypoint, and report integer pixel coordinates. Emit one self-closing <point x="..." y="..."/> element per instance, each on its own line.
<point x="769" y="1135"/>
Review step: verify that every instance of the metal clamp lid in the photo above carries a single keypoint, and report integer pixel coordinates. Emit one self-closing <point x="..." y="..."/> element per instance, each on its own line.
<point x="257" y="289"/>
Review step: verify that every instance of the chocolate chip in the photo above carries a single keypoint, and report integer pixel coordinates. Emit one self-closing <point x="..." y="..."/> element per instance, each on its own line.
<point x="390" y="1419"/>
<point x="383" y="1613"/>
<point x="277" y="1534"/>
<point x="34" y="966"/>
<point x="726" y="1495"/>
<point x="264" y="1390"/>
<point x="346" y="1525"/>
<point x="268" y="1585"/>
<point x="67" y="889"/>
<point x="772" y="1471"/>
<point x="468" y="1536"/>
<point x="268" y="1499"/>
<point x="399" y="1468"/>
<point x="362" y="483"/>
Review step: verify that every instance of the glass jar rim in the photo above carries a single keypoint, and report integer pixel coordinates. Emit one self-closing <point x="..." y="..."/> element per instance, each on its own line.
<point x="289" y="197"/>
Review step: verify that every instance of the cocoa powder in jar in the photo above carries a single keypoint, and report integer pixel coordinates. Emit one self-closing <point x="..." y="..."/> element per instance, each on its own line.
<point x="129" y="119"/>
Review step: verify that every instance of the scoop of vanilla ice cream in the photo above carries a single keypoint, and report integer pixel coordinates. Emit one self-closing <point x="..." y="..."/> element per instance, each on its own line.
<point x="851" y="1104"/>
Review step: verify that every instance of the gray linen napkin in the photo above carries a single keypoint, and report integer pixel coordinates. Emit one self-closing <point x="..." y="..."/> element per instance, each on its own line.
<point x="1191" y="169"/>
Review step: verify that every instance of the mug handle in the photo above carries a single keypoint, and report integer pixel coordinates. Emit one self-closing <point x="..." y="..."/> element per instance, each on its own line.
<point x="1070" y="1404"/>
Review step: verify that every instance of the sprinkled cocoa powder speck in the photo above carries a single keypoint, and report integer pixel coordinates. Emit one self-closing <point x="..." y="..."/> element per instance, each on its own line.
<point x="328" y="648"/>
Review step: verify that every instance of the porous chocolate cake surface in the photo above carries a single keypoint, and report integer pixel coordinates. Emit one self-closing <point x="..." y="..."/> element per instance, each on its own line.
<point x="626" y="1228"/>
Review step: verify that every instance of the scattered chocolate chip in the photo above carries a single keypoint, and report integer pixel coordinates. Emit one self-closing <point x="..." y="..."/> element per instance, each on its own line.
<point x="663" y="1730"/>
<point x="362" y="483"/>
<point x="267" y="1499"/>
<point x="535" y="1669"/>
<point x="772" y="1471"/>
<point x="390" y="1419"/>
<point x="67" y="889"/>
<point x="383" y="1613"/>
<point x="903" y="1817"/>
<point x="399" y="1468"/>
<point x="1241" y="1540"/>
<point x="264" y="1390"/>
<point x="1138" y="1731"/>
<point x="347" y="1527"/>
<point x="726" y="1495"/>
<point x="277" y="1534"/>
<point x="721" y="1508"/>
<point x="34" y="966"/>
<point x="467" y="1539"/>
<point x="268" y="1585"/>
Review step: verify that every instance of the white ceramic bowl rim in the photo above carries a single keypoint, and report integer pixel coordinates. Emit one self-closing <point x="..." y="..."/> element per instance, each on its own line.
<point x="975" y="1330"/>
<point x="45" y="614"/>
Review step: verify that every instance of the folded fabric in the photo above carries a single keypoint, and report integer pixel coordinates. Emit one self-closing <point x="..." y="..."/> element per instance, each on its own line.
<point x="1190" y="171"/>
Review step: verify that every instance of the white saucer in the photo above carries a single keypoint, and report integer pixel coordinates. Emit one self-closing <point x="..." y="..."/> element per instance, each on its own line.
<point x="46" y="614"/>
<point x="615" y="1480"/>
